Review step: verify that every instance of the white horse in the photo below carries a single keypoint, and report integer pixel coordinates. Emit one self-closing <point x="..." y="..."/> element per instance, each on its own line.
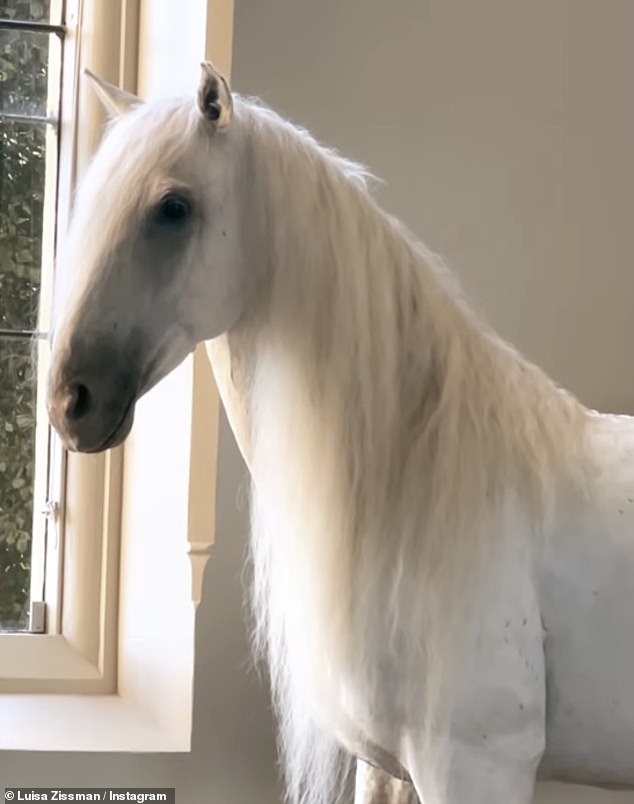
<point x="442" y="539"/>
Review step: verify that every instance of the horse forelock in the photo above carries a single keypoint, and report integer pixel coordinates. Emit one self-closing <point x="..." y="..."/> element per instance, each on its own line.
<point x="138" y="152"/>
<point x="394" y="438"/>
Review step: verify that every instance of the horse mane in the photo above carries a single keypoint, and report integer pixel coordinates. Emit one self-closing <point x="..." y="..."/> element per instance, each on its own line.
<point x="393" y="435"/>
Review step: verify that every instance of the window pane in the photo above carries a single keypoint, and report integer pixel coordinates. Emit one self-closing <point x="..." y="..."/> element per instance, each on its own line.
<point x="17" y="442"/>
<point x="38" y="10"/>
<point x="24" y="72"/>
<point x="22" y="152"/>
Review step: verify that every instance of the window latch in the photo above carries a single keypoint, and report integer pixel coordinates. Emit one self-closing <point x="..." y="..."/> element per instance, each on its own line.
<point x="51" y="510"/>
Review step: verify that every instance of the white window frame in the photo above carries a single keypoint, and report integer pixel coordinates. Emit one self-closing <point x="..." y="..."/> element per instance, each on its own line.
<point x="121" y="646"/>
<point x="79" y="648"/>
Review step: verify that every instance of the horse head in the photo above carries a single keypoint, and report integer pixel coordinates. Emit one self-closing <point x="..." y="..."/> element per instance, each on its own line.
<point x="152" y="257"/>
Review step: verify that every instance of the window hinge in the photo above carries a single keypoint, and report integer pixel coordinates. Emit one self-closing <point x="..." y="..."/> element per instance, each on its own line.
<point x="37" y="618"/>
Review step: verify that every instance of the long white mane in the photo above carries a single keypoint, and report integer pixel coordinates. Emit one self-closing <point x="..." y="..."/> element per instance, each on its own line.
<point x="391" y="433"/>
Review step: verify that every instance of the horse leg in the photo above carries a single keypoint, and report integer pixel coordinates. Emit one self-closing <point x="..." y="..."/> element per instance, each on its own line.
<point x="375" y="786"/>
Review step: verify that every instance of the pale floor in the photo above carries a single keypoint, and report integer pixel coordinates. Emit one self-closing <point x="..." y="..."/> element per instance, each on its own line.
<point x="554" y="793"/>
<point x="375" y="787"/>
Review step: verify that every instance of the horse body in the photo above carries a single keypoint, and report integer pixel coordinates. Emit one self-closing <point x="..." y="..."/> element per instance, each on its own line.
<point x="441" y="537"/>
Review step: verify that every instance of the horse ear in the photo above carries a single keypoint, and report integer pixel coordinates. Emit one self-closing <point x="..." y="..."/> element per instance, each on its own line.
<point x="116" y="101"/>
<point x="214" y="97"/>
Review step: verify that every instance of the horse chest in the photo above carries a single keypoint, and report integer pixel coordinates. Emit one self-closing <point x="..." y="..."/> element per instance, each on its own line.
<point x="498" y="693"/>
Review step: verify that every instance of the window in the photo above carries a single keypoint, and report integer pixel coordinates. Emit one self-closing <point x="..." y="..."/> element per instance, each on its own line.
<point x="31" y="35"/>
<point x="121" y="634"/>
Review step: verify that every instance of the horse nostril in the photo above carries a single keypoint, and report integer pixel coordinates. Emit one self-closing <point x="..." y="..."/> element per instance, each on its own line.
<point x="79" y="402"/>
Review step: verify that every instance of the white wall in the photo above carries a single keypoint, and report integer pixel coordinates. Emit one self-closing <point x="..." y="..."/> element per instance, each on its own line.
<point x="505" y="131"/>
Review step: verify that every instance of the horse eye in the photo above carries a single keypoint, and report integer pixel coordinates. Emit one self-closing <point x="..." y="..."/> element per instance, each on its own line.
<point x="173" y="209"/>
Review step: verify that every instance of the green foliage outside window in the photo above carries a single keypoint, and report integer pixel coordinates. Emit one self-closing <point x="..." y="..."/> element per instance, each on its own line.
<point x="23" y="88"/>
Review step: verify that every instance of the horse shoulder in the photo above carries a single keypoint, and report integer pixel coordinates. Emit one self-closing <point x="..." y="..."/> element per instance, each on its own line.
<point x="497" y="733"/>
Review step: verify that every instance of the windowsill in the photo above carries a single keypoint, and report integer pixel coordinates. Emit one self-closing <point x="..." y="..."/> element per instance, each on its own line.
<point x="83" y="723"/>
<point x="41" y="660"/>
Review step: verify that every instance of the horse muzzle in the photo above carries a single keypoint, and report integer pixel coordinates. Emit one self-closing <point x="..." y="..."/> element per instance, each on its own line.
<point x="91" y="398"/>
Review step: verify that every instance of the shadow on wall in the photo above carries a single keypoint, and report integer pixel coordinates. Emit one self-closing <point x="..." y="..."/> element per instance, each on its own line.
<point x="232" y="721"/>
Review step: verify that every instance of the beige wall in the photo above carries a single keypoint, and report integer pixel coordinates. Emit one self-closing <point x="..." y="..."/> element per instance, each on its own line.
<point x="505" y="131"/>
